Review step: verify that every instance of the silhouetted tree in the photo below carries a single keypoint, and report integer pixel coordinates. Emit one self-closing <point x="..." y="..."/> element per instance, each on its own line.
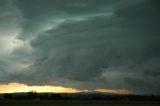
<point x="32" y="95"/>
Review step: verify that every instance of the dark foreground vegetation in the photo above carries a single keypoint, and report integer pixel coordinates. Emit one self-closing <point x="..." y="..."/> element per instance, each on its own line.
<point x="77" y="99"/>
<point x="77" y="96"/>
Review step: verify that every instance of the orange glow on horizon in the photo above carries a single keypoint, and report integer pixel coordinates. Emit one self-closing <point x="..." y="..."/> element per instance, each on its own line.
<point x="17" y="87"/>
<point x="120" y="91"/>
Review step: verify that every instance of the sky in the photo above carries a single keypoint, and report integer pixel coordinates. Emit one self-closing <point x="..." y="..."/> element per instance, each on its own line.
<point x="80" y="45"/>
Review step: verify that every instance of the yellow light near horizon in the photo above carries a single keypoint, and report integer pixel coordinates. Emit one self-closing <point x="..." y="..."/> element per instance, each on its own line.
<point x="17" y="87"/>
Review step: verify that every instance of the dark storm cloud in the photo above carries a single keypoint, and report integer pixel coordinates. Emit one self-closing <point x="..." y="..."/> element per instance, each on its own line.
<point x="88" y="44"/>
<point x="8" y="17"/>
<point x="37" y="17"/>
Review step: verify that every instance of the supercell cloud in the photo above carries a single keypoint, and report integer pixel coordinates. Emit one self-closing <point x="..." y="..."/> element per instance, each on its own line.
<point x="83" y="44"/>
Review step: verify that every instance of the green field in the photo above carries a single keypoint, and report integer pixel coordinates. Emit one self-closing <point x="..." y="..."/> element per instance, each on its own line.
<point x="77" y="103"/>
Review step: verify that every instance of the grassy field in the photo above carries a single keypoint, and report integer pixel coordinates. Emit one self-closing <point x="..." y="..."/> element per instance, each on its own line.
<point x="77" y="103"/>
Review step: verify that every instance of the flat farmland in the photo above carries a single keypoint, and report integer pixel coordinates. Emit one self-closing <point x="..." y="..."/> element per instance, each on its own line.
<point x="79" y="103"/>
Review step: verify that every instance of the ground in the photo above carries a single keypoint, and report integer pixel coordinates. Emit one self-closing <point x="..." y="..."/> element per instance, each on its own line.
<point x="78" y="103"/>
